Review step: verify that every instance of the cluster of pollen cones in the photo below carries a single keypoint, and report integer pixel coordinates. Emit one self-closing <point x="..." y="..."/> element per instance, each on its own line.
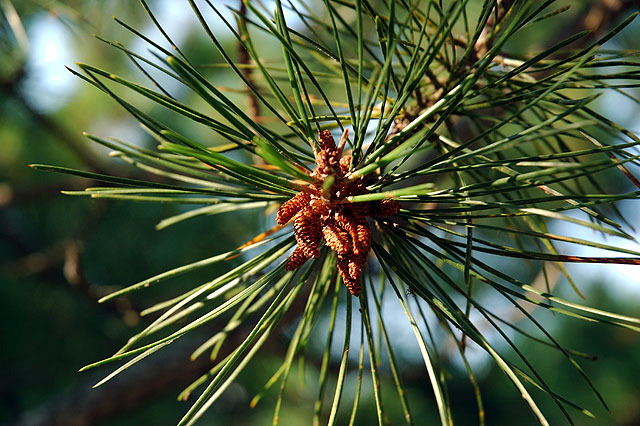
<point x="322" y="211"/>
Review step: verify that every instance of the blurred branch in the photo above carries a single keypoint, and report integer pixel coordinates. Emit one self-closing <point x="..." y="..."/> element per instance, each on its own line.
<point x="12" y="195"/>
<point x="84" y="406"/>
<point x="164" y="371"/>
<point x="75" y="145"/>
<point x="485" y="40"/>
<point x="603" y="12"/>
<point x="597" y="18"/>
<point x="245" y="60"/>
<point x="63" y="260"/>
<point x="16" y="25"/>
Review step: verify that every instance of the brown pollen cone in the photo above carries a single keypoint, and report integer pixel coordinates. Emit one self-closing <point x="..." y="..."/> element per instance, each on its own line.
<point x="296" y="260"/>
<point x="307" y="232"/>
<point x="291" y="207"/>
<point x="336" y="238"/>
<point x="321" y="213"/>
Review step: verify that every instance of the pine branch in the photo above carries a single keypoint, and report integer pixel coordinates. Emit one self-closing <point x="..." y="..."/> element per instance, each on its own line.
<point x="455" y="154"/>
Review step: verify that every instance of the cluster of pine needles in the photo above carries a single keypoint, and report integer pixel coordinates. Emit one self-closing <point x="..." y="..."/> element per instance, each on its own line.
<point x="455" y="158"/>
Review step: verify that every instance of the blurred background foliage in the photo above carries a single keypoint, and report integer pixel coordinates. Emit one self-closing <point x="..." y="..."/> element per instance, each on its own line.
<point x="59" y="254"/>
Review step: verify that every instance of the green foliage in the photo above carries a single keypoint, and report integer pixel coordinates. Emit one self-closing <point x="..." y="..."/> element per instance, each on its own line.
<point x="485" y="149"/>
